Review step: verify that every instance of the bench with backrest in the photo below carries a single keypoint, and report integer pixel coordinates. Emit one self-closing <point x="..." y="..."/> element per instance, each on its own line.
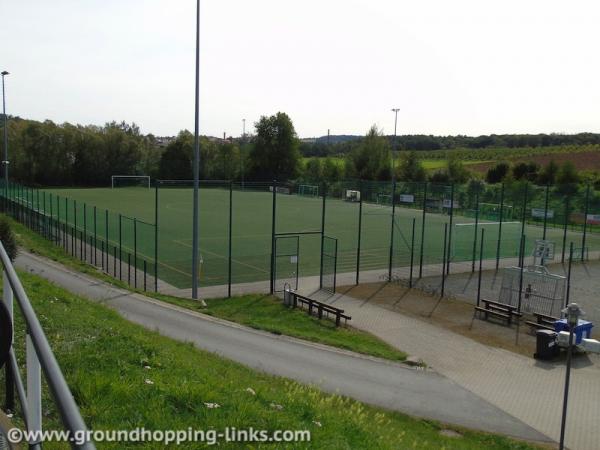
<point x="499" y="310"/>
<point x="542" y="322"/>
<point x="317" y="308"/>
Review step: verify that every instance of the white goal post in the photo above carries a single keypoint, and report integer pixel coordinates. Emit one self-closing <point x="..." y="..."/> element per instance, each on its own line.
<point x="130" y="181"/>
<point x="309" y="190"/>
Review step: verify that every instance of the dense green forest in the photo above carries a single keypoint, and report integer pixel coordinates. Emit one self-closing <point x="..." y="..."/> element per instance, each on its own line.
<point x="50" y="154"/>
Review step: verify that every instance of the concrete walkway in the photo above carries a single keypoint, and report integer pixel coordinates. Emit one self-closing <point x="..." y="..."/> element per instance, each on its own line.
<point x="528" y="389"/>
<point x="421" y="393"/>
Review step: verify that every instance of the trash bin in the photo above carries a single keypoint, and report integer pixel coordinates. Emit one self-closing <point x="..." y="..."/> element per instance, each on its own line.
<point x="546" y="346"/>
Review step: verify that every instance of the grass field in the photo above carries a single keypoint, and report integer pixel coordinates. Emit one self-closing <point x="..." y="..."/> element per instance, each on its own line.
<point x="251" y="231"/>
<point x="124" y="376"/>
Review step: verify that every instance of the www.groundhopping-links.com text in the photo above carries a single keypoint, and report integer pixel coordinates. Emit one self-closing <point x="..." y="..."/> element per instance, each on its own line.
<point x="209" y="436"/>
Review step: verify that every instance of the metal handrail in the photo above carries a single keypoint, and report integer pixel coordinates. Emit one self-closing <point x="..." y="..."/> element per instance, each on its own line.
<point x="68" y="409"/>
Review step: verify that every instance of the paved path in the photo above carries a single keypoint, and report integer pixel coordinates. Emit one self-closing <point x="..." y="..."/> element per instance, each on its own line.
<point x="528" y="389"/>
<point x="390" y="385"/>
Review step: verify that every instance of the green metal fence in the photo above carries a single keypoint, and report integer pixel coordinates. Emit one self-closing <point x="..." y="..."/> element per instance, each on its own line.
<point x="381" y="230"/>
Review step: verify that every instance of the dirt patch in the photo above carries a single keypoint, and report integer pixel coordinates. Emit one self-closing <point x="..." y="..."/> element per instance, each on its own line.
<point x="588" y="161"/>
<point x="452" y="314"/>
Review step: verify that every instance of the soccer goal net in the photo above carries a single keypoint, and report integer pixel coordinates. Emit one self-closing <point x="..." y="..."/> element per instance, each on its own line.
<point x="119" y="181"/>
<point x="464" y="239"/>
<point x="309" y="190"/>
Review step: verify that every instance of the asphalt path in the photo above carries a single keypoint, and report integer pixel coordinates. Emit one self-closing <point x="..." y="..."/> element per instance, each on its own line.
<point x="394" y="386"/>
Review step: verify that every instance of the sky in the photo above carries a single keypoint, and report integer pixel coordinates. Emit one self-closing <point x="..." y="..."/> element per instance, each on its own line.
<point x="452" y="67"/>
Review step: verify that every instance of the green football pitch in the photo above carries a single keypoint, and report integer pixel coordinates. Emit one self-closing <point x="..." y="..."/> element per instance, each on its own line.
<point x="251" y="227"/>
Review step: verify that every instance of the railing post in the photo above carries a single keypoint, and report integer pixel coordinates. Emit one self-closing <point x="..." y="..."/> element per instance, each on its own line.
<point x="34" y="389"/>
<point x="7" y="295"/>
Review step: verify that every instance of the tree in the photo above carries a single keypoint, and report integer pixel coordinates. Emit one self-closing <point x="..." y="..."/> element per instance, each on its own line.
<point x="176" y="161"/>
<point x="370" y="160"/>
<point x="457" y="173"/>
<point x="275" y="152"/>
<point x="410" y="168"/>
<point x="567" y="178"/>
<point x="548" y="174"/>
<point x="525" y="171"/>
<point x="497" y="173"/>
<point x="313" y="170"/>
<point x="332" y="171"/>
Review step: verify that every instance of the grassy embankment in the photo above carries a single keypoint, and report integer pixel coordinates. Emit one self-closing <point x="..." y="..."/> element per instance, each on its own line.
<point x="124" y="376"/>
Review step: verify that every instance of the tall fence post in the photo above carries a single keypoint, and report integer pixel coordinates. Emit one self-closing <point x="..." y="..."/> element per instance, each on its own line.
<point x="522" y="267"/>
<point x="324" y="194"/>
<point x="423" y="230"/>
<point x="84" y="232"/>
<point x="501" y="214"/>
<point x="74" y="237"/>
<point x="106" y="237"/>
<point x="476" y="231"/>
<point x="392" y="230"/>
<point x="444" y="259"/>
<point x="39" y="216"/>
<point x="450" y="228"/>
<point x="585" y="221"/>
<point x="565" y="226"/>
<point x="480" y="267"/>
<point x="156" y="236"/>
<point x="230" y="238"/>
<point x="274" y="206"/>
<point x="135" y="255"/>
<point x="546" y="211"/>
<point x="45" y="221"/>
<point x="360" y="204"/>
<point x="524" y="211"/>
<point x="412" y="252"/>
<point x="50" y="235"/>
<point x="120" y="249"/>
<point x="95" y="238"/>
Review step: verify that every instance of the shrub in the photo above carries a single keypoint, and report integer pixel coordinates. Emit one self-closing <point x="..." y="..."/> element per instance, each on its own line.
<point x="8" y="239"/>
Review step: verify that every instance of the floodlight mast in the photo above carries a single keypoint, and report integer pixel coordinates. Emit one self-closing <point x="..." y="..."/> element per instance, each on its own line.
<point x="5" y="161"/>
<point x="196" y="161"/>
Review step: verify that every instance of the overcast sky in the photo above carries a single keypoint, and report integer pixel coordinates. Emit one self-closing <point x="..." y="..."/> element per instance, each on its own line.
<point x="452" y="67"/>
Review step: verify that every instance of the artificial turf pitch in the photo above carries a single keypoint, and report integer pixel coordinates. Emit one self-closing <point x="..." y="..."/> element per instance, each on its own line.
<point x="251" y="228"/>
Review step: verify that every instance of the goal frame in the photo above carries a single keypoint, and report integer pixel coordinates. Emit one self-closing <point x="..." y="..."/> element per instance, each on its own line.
<point x="308" y="190"/>
<point x="112" y="179"/>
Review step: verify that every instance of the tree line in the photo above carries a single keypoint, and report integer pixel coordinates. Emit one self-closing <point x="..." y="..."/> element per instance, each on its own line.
<point x="342" y="145"/>
<point x="50" y="154"/>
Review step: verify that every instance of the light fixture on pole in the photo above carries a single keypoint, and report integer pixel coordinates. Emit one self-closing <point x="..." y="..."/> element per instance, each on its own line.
<point x="572" y="313"/>
<point x="196" y="168"/>
<point x="5" y="160"/>
<point x="395" y="111"/>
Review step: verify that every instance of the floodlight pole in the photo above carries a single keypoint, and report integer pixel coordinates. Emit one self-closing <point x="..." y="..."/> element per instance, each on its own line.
<point x="5" y="162"/>
<point x="196" y="168"/>
<point x="395" y="111"/>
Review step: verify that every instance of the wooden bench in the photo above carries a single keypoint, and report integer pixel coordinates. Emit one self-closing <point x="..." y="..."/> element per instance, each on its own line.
<point x="542" y="322"/>
<point x="315" y="307"/>
<point x="499" y="310"/>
